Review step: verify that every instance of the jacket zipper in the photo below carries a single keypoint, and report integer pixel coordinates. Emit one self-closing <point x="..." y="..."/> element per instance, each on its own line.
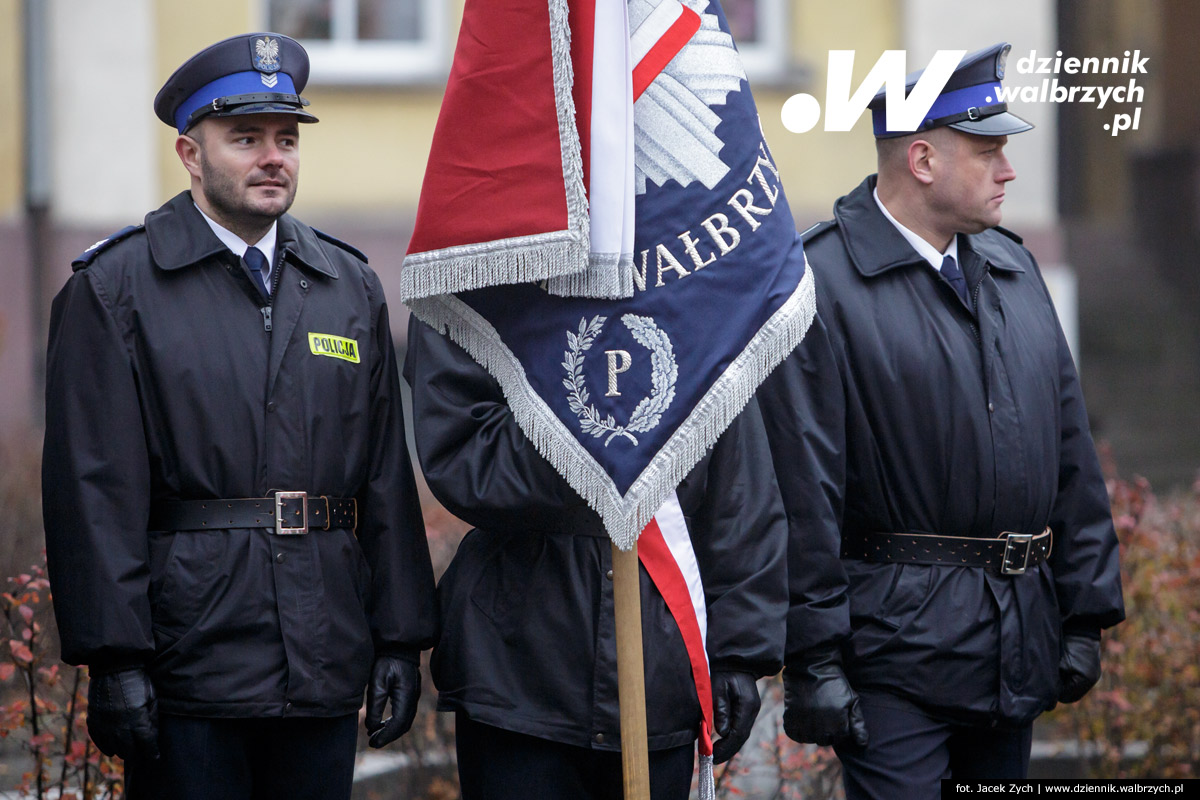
<point x="975" y="303"/>
<point x="267" y="326"/>
<point x="275" y="273"/>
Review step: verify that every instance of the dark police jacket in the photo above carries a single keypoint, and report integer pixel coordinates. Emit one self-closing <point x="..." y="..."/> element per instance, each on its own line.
<point x="528" y="639"/>
<point x="164" y="383"/>
<point x="906" y="411"/>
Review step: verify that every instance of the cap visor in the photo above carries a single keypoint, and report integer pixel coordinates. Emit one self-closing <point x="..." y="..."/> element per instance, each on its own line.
<point x="265" y="108"/>
<point x="1002" y="124"/>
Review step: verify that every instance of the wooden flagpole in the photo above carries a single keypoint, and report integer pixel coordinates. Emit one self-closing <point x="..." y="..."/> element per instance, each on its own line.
<point x="631" y="673"/>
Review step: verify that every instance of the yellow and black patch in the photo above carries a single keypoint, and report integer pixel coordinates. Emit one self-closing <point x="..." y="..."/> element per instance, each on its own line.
<point x="325" y="344"/>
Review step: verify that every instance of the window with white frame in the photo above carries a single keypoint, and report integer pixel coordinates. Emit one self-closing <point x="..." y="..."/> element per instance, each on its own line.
<point x="366" y="41"/>
<point x="395" y="41"/>
<point x="759" y="28"/>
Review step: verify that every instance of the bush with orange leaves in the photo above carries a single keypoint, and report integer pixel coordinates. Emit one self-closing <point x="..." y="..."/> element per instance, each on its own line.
<point x="45" y="701"/>
<point x="1143" y="719"/>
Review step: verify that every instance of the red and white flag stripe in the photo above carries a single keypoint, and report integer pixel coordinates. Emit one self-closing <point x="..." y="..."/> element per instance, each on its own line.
<point x="658" y="39"/>
<point x="665" y="550"/>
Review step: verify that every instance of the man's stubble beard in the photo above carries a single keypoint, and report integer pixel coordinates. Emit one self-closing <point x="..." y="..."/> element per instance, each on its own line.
<point x="223" y="196"/>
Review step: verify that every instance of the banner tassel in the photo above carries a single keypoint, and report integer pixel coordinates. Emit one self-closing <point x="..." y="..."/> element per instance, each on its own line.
<point x="708" y="786"/>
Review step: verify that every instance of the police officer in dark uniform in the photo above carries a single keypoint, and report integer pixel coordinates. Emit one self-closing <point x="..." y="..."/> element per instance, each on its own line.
<point x="953" y="558"/>
<point x="527" y="655"/>
<point x="232" y="526"/>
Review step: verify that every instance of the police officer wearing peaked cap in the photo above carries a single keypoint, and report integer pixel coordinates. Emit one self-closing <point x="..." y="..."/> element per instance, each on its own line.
<point x="952" y="558"/>
<point x="232" y="527"/>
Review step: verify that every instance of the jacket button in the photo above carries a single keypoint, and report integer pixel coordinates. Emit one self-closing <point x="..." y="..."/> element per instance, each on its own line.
<point x="599" y="738"/>
<point x="608" y="574"/>
<point x="991" y="407"/>
<point x="280" y="558"/>
<point x="271" y="406"/>
<point x="287" y="708"/>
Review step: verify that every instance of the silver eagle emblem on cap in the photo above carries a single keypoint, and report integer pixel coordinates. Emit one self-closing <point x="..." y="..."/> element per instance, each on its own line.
<point x="266" y="59"/>
<point x="266" y="54"/>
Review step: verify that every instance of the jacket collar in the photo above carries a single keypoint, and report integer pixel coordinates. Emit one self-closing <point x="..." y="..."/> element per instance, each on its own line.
<point x="874" y="244"/>
<point x="179" y="237"/>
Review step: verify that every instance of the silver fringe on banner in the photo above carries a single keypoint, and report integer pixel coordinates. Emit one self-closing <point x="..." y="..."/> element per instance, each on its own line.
<point x="626" y="515"/>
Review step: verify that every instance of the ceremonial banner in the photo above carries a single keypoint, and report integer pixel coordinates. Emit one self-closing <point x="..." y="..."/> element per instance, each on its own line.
<point x="626" y="332"/>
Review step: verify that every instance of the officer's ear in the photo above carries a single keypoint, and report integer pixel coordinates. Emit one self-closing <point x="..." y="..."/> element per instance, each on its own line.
<point x="921" y="153"/>
<point x="189" y="147"/>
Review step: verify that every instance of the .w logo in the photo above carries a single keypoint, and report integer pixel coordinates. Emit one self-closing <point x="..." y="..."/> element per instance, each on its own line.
<point x="801" y="112"/>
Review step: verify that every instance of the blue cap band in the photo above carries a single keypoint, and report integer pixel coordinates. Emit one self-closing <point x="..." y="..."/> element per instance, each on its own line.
<point x="227" y="86"/>
<point x="946" y="105"/>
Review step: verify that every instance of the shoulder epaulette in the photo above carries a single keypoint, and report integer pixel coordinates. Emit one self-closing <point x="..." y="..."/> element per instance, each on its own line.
<point x="816" y="230"/>
<point x="354" y="251"/>
<point x="89" y="255"/>
<point x="1010" y="235"/>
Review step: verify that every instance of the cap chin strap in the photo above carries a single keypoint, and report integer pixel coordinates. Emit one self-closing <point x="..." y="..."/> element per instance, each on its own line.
<point x="237" y="100"/>
<point x="973" y="113"/>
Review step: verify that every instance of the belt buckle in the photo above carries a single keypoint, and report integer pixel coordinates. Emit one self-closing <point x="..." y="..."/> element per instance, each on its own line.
<point x="1009" y="565"/>
<point x="290" y="530"/>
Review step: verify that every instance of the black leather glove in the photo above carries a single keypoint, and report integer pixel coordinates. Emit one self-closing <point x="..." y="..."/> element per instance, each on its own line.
<point x="735" y="707"/>
<point x="1079" y="667"/>
<point x="818" y="704"/>
<point x="122" y="714"/>
<point x="399" y="680"/>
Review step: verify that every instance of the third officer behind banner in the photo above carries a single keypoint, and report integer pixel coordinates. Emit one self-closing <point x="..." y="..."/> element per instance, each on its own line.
<point x="527" y="657"/>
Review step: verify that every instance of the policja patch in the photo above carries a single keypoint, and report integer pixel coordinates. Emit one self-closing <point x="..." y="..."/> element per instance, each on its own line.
<point x="325" y="344"/>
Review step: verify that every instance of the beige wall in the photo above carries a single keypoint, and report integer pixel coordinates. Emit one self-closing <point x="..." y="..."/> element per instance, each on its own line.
<point x="11" y="54"/>
<point x="100" y="64"/>
<point x="181" y="29"/>
<point x="817" y="167"/>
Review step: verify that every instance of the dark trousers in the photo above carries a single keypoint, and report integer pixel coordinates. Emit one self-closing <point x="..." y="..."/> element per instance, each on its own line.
<point x="300" y="758"/>
<point x="495" y="764"/>
<point x="910" y="753"/>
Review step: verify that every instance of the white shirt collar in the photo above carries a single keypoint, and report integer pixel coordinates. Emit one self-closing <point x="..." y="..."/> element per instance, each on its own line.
<point x="924" y="249"/>
<point x="238" y="245"/>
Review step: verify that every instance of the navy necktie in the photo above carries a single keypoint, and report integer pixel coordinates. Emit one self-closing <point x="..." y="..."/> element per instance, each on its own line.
<point x="954" y="275"/>
<point x="257" y="263"/>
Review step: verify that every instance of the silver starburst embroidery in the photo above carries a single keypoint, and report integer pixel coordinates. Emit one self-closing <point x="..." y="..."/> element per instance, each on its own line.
<point x="675" y="128"/>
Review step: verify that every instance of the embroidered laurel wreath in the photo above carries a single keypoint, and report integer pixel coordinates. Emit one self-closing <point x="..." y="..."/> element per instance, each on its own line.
<point x="663" y="373"/>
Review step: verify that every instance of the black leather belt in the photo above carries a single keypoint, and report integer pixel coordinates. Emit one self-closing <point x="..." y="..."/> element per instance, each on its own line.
<point x="286" y="513"/>
<point x="1008" y="554"/>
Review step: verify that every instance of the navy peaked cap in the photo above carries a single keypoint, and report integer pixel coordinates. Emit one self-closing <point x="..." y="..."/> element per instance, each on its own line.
<point x="969" y="102"/>
<point x="255" y="73"/>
